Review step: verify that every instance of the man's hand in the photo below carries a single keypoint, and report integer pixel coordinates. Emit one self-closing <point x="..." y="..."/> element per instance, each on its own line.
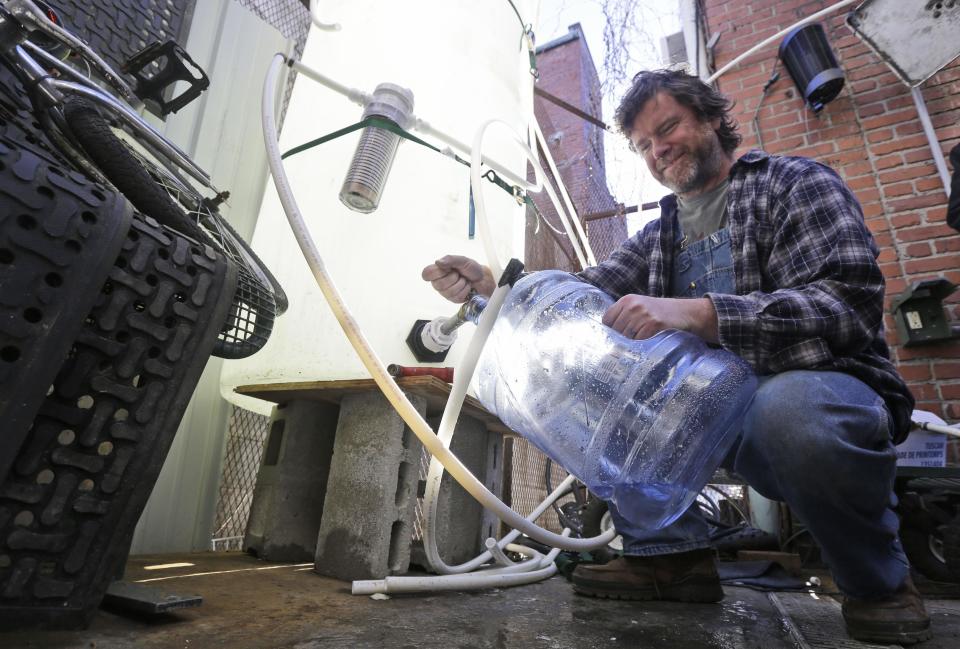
<point x="639" y="316"/>
<point x="455" y="277"/>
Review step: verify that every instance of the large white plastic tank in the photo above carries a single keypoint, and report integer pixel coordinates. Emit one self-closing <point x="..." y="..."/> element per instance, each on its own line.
<point x="465" y="63"/>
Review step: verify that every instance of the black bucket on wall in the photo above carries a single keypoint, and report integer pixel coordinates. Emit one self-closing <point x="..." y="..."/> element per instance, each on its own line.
<point x="807" y="56"/>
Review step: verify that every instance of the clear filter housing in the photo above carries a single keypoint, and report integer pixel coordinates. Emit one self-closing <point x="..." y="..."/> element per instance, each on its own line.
<point x="376" y="149"/>
<point x="643" y="423"/>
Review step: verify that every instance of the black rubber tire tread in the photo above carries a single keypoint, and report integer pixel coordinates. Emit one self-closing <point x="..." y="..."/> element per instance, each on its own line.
<point x="279" y="295"/>
<point x="58" y="235"/>
<point x="81" y="479"/>
<point x="19" y="126"/>
<point x="124" y="169"/>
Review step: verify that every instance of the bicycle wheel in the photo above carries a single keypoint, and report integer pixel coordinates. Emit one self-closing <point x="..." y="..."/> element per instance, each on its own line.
<point x="152" y="191"/>
<point x="172" y="202"/>
<point x="123" y="169"/>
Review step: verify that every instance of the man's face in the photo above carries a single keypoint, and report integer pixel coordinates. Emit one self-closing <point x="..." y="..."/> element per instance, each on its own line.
<point x="682" y="152"/>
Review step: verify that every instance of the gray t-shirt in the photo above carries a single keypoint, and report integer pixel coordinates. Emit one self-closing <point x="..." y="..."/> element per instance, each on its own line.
<point x="703" y="215"/>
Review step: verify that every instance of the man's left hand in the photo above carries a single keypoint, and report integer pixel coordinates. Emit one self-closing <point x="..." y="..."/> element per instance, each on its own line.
<point x="640" y="316"/>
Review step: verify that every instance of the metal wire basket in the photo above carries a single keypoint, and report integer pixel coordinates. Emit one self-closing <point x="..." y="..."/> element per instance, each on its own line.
<point x="254" y="306"/>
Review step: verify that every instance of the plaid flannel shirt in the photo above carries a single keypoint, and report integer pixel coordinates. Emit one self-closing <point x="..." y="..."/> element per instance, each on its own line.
<point x="809" y="292"/>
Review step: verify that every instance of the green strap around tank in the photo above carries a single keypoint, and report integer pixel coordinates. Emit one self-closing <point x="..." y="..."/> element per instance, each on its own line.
<point x="379" y="122"/>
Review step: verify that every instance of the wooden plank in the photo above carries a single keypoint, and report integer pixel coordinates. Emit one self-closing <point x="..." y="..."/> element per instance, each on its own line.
<point x="435" y="391"/>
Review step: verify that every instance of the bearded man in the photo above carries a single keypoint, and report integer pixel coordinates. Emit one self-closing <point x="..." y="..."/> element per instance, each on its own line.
<point x="769" y="257"/>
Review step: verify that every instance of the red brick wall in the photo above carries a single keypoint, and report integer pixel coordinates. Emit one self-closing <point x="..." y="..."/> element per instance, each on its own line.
<point x="872" y="136"/>
<point x="567" y="72"/>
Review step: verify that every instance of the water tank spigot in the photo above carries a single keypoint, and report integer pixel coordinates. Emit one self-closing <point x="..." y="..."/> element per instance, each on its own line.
<point x="430" y="340"/>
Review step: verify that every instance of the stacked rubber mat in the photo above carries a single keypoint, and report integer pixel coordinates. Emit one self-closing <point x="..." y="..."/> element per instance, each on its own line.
<point x="106" y="322"/>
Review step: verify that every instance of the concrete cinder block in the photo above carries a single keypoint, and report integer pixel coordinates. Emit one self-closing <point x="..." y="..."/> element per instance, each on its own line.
<point x="368" y="512"/>
<point x="292" y="482"/>
<point x="461" y="525"/>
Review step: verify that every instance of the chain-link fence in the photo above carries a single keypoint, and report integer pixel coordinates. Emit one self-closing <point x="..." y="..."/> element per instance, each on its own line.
<point x="246" y="434"/>
<point x="533" y="476"/>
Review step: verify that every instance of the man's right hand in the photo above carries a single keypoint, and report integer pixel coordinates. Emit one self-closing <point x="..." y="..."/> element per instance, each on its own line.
<point x="456" y="277"/>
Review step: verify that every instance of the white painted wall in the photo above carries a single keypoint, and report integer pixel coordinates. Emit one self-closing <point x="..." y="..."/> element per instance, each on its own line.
<point x="221" y="131"/>
<point x="464" y="62"/>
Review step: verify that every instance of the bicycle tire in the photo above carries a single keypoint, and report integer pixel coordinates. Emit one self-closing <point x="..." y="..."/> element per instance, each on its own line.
<point x="82" y="476"/>
<point x="129" y="174"/>
<point x="94" y="133"/>
<point x="259" y="298"/>
<point x="593" y="525"/>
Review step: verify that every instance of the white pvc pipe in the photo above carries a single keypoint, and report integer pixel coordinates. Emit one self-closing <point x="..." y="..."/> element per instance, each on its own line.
<point x="428" y="129"/>
<point x="315" y="19"/>
<point x="355" y="95"/>
<point x="580" y="241"/>
<point x="932" y="139"/>
<point x="479" y="202"/>
<point x="471" y="581"/>
<point x="937" y="428"/>
<point x="779" y="35"/>
<point x="368" y="356"/>
<point x="430" y="543"/>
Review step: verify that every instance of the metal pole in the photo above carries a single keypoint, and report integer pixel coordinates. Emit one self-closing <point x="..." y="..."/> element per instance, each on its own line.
<point x="931" y="138"/>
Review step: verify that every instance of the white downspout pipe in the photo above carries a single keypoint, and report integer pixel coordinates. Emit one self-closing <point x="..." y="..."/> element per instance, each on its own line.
<point x="937" y="428"/>
<point x="315" y="19"/>
<point x="776" y="37"/>
<point x="932" y="139"/>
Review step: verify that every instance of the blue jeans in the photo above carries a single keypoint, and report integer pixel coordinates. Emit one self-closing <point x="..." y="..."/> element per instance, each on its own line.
<point x="819" y="441"/>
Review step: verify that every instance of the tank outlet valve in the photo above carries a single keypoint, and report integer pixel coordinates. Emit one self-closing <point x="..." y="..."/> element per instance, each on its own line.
<point x="430" y="340"/>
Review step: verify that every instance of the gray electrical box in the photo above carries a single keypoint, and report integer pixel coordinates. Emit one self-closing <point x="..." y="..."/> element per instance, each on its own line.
<point x="920" y="315"/>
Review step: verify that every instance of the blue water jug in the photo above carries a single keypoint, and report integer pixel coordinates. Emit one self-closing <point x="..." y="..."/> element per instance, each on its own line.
<point x="643" y="423"/>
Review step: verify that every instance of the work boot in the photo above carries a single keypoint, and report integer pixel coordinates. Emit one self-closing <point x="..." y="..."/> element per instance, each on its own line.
<point x="682" y="577"/>
<point x="897" y="619"/>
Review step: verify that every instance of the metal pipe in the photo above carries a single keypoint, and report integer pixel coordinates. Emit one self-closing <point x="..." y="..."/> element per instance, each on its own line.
<point x="581" y="245"/>
<point x="938" y="158"/>
<point x="28" y="12"/>
<point x="442" y="373"/>
<point x="469" y="311"/>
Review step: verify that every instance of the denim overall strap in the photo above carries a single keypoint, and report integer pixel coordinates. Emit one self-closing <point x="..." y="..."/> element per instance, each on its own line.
<point x="704" y="266"/>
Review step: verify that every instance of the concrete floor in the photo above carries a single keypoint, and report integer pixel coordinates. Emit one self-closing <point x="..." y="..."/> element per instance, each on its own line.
<point x="250" y="604"/>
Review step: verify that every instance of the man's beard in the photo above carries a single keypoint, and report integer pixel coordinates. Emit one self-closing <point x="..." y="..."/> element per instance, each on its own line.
<point x="698" y="167"/>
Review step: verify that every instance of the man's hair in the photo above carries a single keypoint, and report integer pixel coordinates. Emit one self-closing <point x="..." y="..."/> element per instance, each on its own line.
<point x="688" y="90"/>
